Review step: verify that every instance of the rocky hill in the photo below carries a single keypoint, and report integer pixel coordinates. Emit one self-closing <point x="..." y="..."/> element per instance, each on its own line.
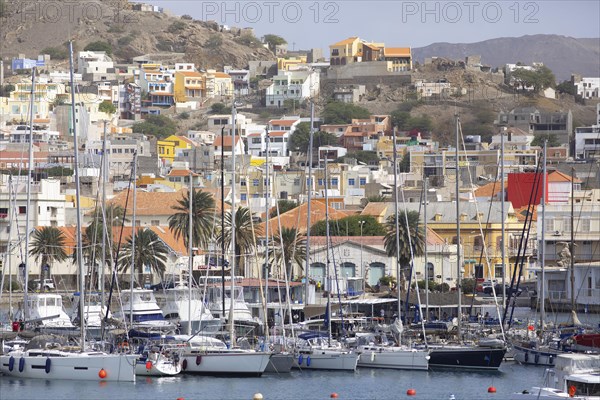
<point x="563" y="55"/>
<point x="32" y="26"/>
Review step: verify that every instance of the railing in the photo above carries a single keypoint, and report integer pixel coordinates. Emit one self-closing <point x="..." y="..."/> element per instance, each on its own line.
<point x="557" y="295"/>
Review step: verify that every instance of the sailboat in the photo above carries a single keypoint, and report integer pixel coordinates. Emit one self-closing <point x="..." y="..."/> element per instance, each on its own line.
<point x="210" y="356"/>
<point x="49" y="358"/>
<point x="382" y="354"/>
<point x="459" y="356"/>
<point x="316" y="350"/>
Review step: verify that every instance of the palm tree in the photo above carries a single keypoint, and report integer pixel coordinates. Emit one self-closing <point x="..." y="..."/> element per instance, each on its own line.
<point x="203" y="212"/>
<point x="293" y="244"/>
<point x="417" y="236"/>
<point x="48" y="244"/>
<point x="150" y="251"/>
<point x="114" y="214"/>
<point x="244" y="236"/>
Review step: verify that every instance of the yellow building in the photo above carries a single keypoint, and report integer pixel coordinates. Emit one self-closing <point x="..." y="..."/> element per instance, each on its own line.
<point x="346" y="52"/>
<point x="16" y="106"/>
<point x="399" y="57"/>
<point x="285" y="64"/>
<point x="166" y="151"/>
<point x="189" y="85"/>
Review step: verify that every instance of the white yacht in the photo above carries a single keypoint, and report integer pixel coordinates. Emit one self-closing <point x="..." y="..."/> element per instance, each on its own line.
<point x="317" y="351"/>
<point x="244" y="322"/>
<point x="93" y="311"/>
<point x="177" y="309"/>
<point x="47" y="313"/>
<point x="159" y="360"/>
<point x="140" y="307"/>
<point x="376" y="352"/>
<point x="206" y="355"/>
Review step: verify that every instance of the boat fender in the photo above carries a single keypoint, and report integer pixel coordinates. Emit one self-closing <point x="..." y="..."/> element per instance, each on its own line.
<point x="21" y="364"/>
<point x="551" y="360"/>
<point x="198" y="360"/>
<point x="537" y="358"/>
<point x="184" y="364"/>
<point x="372" y="357"/>
<point x="300" y="359"/>
<point x="308" y="361"/>
<point x="148" y="364"/>
<point x="11" y="363"/>
<point x="526" y="356"/>
<point x="572" y="390"/>
<point x="48" y="364"/>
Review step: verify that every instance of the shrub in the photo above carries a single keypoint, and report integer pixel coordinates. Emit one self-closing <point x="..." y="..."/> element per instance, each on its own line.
<point x="184" y="115"/>
<point x="56" y="53"/>
<point x="218" y="108"/>
<point x="99" y="46"/>
<point x="107" y="107"/>
<point x="214" y="41"/>
<point x="125" y="40"/>
<point x="176" y="27"/>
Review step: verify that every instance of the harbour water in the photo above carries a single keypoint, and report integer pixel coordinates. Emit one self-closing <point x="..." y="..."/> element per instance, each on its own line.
<point x="362" y="384"/>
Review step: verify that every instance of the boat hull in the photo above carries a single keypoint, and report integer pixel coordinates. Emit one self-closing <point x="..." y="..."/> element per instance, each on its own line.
<point x="328" y="360"/>
<point x="466" y="358"/>
<point x="225" y="363"/>
<point x="280" y="363"/>
<point x="524" y="355"/>
<point x="160" y="368"/>
<point x="79" y="366"/>
<point x="397" y="359"/>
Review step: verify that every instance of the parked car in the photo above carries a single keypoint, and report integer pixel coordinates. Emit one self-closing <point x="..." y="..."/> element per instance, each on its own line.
<point x="37" y="284"/>
<point x="498" y="289"/>
<point x="483" y="285"/>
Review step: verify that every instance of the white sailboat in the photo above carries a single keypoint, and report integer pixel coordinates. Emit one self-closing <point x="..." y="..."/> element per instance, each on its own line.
<point x="186" y="307"/>
<point x="383" y="354"/>
<point x="316" y="350"/>
<point x="51" y="360"/>
<point x="210" y="356"/>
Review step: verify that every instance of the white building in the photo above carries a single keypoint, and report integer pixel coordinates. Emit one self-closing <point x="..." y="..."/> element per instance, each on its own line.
<point x="587" y="142"/>
<point x="240" y="79"/>
<point x="121" y="149"/>
<point x="94" y="62"/>
<point x="587" y="88"/>
<point x="47" y="209"/>
<point x="295" y="85"/>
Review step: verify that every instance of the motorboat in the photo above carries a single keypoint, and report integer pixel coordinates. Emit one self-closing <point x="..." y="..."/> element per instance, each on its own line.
<point x="469" y="357"/>
<point x="47" y="315"/>
<point x="159" y="360"/>
<point x="244" y="323"/>
<point x="180" y="301"/>
<point x="93" y="311"/>
<point x="140" y="307"/>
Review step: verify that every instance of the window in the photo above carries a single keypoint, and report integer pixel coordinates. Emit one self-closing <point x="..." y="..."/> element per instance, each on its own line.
<point x="498" y="271"/>
<point x="22" y="209"/>
<point x="296" y="182"/>
<point x="243" y="197"/>
<point x="155" y="222"/>
<point x="585" y="225"/>
<point x="567" y="224"/>
<point x="243" y="182"/>
<point x="363" y="181"/>
<point x="320" y="182"/>
<point x="430" y="271"/>
<point x="256" y="140"/>
<point x="334" y="181"/>
<point x="351" y="182"/>
<point x="549" y="225"/>
<point x="478" y="271"/>
<point x="255" y="182"/>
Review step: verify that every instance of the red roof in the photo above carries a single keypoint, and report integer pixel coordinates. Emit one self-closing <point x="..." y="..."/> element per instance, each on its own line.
<point x="282" y="122"/>
<point x="225" y="140"/>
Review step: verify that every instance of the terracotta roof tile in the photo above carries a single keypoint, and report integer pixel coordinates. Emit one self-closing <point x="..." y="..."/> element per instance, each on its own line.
<point x="282" y="122"/>
<point x="557" y="176"/>
<point x="226" y="140"/>
<point x="346" y="41"/>
<point x="376" y="209"/>
<point x="396" y="52"/>
<point x="490" y="190"/>
<point x="298" y="217"/>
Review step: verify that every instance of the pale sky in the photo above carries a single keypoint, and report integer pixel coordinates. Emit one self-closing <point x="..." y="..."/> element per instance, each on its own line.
<point x="310" y="23"/>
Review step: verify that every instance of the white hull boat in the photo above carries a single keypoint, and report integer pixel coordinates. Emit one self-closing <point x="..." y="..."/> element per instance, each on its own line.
<point x="63" y="365"/>
<point x="142" y="309"/>
<point x="316" y="351"/>
<point x="224" y="362"/>
<point x="178" y="306"/>
<point x="158" y="364"/>
<point x="393" y="357"/>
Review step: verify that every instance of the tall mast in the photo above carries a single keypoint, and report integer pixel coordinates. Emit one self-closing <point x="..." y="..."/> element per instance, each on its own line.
<point x="427" y="277"/>
<point x="190" y="253"/>
<point x="233" y="214"/>
<point x="503" y="235"/>
<point x="133" y="234"/>
<point x="28" y="207"/>
<point x="328" y="279"/>
<point x="572" y="245"/>
<point x="104" y="226"/>
<point x="543" y="243"/>
<point x="458" y="260"/>
<point x="223" y="222"/>
<point x="397" y="224"/>
<point x="267" y="266"/>
<point x="309" y="197"/>
<point x="79" y="242"/>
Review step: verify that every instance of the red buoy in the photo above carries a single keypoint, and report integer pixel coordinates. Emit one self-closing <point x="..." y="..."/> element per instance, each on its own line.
<point x="411" y="392"/>
<point x="102" y="374"/>
<point x="333" y="395"/>
<point x="148" y="364"/>
<point x="491" y="389"/>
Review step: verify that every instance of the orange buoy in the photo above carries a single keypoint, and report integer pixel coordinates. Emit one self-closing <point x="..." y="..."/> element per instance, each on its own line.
<point x="333" y="395"/>
<point x="148" y="364"/>
<point x="180" y="398"/>
<point x="491" y="389"/>
<point x="572" y="390"/>
<point x="531" y="327"/>
<point x="102" y="374"/>
<point x="411" y="392"/>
